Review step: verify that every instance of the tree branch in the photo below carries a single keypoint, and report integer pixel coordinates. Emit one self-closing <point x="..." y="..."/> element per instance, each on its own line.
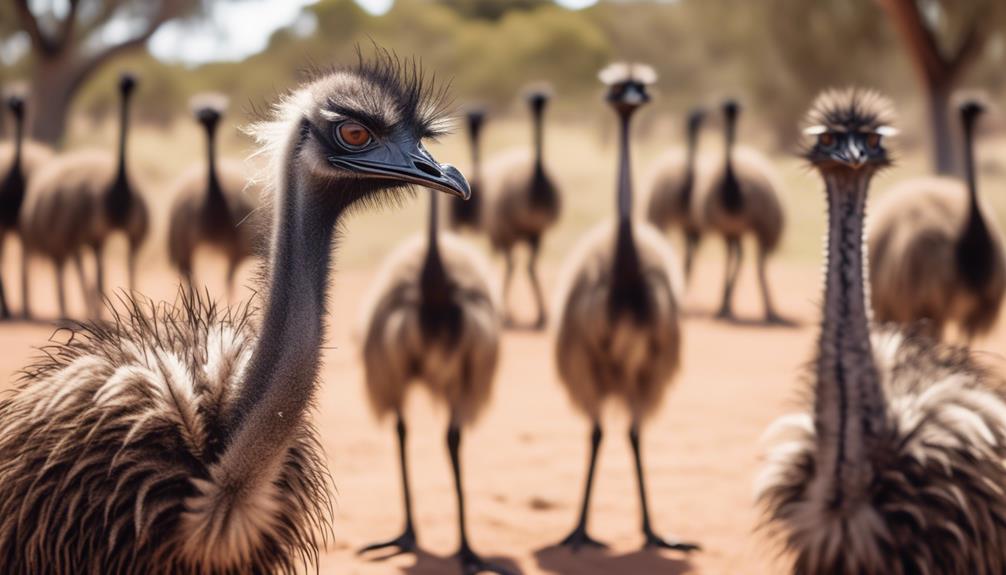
<point x="970" y="47"/>
<point x="108" y="9"/>
<point x="922" y="44"/>
<point x="66" y="30"/>
<point x="42" y="43"/>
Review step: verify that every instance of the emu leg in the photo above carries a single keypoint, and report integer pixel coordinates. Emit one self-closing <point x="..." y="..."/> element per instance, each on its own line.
<point x="25" y="288"/>
<point x="4" y="309"/>
<point x="60" y="292"/>
<point x="131" y="265"/>
<point x="652" y="539"/>
<point x="93" y="308"/>
<point x="579" y="537"/>
<point x="99" y="260"/>
<point x="732" y="269"/>
<point x="507" y="278"/>
<point x="532" y="272"/>
<point x="771" y="316"/>
<point x="691" y="244"/>
<point x="232" y="269"/>
<point x="471" y="563"/>
<point x="406" y="542"/>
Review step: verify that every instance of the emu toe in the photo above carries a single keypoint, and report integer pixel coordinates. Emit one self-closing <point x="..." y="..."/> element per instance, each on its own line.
<point x="654" y="541"/>
<point x="472" y="564"/>
<point x="404" y="543"/>
<point x="579" y="538"/>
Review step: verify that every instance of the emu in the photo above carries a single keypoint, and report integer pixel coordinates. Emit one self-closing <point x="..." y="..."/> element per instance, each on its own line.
<point x="671" y="202"/>
<point x="742" y="200"/>
<point x="469" y="214"/>
<point x="896" y="466"/>
<point x="935" y="256"/>
<point x="522" y="202"/>
<point x="79" y="199"/>
<point x="433" y="320"/>
<point x="19" y="160"/>
<point x="619" y="333"/>
<point x="212" y="205"/>
<point x="178" y="440"/>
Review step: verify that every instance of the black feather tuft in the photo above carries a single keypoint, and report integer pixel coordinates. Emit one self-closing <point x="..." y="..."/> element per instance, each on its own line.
<point x="851" y="110"/>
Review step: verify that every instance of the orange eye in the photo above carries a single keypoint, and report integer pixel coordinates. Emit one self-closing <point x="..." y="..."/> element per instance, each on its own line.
<point x="353" y="135"/>
<point x="826" y="140"/>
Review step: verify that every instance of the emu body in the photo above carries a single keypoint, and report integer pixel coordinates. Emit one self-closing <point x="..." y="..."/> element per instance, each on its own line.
<point x="619" y="334"/>
<point x="177" y="438"/>
<point x="936" y="255"/>
<point x="522" y="202"/>
<point x="896" y="466"/>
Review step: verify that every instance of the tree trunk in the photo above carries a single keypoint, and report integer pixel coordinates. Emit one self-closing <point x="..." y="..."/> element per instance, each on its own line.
<point x="943" y="142"/>
<point x="53" y="88"/>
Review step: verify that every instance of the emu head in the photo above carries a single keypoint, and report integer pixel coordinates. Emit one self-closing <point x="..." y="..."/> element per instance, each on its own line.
<point x="15" y="104"/>
<point x="695" y="118"/>
<point x="537" y="98"/>
<point x="847" y="131"/>
<point x="208" y="109"/>
<point x="352" y="132"/>
<point x="476" y="117"/>
<point x="127" y="84"/>
<point x="627" y="85"/>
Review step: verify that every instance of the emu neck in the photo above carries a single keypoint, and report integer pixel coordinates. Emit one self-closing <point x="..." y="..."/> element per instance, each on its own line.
<point x="215" y="199"/>
<point x="627" y="278"/>
<point x="18" y="142"/>
<point x="733" y="201"/>
<point x="689" y="183"/>
<point x="433" y="283"/>
<point x="281" y="377"/>
<point x="974" y="246"/>
<point x="123" y="134"/>
<point x="539" y="141"/>
<point x="476" y="149"/>
<point x="849" y="402"/>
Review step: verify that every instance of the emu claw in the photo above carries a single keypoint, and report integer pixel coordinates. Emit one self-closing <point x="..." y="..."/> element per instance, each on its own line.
<point x="472" y="564"/>
<point x="404" y="543"/>
<point x="579" y="538"/>
<point x="654" y="540"/>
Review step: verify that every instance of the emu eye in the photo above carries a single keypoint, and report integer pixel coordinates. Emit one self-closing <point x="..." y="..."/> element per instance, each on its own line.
<point x="873" y="140"/>
<point x="826" y="140"/>
<point x="353" y="135"/>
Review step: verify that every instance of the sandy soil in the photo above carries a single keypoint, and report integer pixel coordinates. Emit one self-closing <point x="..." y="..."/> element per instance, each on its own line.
<point x="524" y="460"/>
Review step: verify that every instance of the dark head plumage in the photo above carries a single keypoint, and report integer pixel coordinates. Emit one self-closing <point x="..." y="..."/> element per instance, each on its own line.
<point x="695" y="119"/>
<point x="538" y="96"/>
<point x="476" y="116"/>
<point x="848" y="128"/>
<point x="127" y="83"/>
<point x="731" y="109"/>
<point x="208" y="107"/>
<point x="15" y="103"/>
<point x="971" y="109"/>
<point x="627" y="84"/>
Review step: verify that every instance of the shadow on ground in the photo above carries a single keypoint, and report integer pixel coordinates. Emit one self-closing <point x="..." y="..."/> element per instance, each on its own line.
<point x="561" y="561"/>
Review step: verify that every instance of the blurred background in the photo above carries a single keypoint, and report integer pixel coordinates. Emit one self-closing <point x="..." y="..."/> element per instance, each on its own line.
<point x="774" y="56"/>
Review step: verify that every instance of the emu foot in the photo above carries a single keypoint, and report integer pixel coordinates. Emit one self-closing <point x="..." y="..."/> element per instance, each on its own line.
<point x="655" y="541"/>
<point x="404" y="543"/>
<point x="472" y="564"/>
<point x="579" y="538"/>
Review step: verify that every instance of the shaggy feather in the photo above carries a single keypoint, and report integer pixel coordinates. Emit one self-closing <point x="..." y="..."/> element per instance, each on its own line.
<point x="936" y="503"/>
<point x="110" y="447"/>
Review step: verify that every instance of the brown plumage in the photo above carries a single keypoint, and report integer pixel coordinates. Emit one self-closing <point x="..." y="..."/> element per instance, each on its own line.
<point x="432" y="320"/>
<point x="19" y="160"/>
<point x="79" y="199"/>
<point x="673" y="183"/>
<point x="619" y="334"/>
<point x="521" y="203"/>
<point x="896" y="467"/>
<point x="176" y="438"/>
<point x="740" y="200"/>
<point x="213" y="205"/>
<point x="936" y="255"/>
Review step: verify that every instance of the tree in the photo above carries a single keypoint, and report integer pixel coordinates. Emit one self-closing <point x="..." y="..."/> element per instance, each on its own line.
<point x="943" y="38"/>
<point x="67" y="49"/>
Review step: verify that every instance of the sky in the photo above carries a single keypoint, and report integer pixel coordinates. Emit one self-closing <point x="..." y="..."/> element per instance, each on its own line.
<point x="237" y="30"/>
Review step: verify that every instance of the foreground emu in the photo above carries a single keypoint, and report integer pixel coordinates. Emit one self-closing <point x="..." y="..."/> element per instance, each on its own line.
<point x="619" y="333"/>
<point x="178" y="441"/>
<point x="897" y="468"/>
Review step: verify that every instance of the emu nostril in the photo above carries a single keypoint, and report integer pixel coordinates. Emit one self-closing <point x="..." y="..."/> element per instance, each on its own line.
<point x="428" y="169"/>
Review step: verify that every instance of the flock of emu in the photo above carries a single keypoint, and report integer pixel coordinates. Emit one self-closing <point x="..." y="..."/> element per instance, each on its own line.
<point x="176" y="438"/>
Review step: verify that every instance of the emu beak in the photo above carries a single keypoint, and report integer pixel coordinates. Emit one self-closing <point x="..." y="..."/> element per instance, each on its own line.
<point x="407" y="161"/>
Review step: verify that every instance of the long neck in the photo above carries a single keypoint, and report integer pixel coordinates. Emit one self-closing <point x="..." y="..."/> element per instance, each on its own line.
<point x="123" y="133"/>
<point x="539" y="140"/>
<point x="18" y="141"/>
<point x="733" y="201"/>
<point x="476" y="149"/>
<point x="433" y="280"/>
<point x="626" y="272"/>
<point x="849" y="401"/>
<point x="213" y="180"/>
<point x="974" y="250"/>
<point x="691" y="152"/>
<point x="282" y="374"/>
